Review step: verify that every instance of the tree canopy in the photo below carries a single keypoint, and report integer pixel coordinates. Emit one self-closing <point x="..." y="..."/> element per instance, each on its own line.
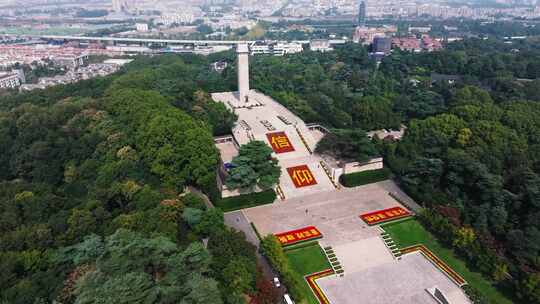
<point x="126" y="267"/>
<point x="92" y="190"/>
<point x="253" y="166"/>
<point x="347" y="145"/>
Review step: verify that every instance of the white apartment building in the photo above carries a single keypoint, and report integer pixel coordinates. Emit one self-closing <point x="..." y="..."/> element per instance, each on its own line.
<point x="9" y="81"/>
<point x="260" y="49"/>
<point x="320" y="45"/>
<point x="281" y="49"/>
<point x="276" y="49"/>
<point x="141" y="27"/>
<point x="176" y="18"/>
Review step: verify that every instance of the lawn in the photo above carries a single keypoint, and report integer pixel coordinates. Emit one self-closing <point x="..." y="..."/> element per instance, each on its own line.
<point x="304" y="261"/>
<point x="411" y="232"/>
<point x="364" y="177"/>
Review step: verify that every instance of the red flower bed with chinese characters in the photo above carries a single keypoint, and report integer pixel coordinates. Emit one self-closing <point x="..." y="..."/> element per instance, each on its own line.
<point x="385" y="215"/>
<point x="298" y="235"/>
<point x="279" y="142"/>
<point x="301" y="176"/>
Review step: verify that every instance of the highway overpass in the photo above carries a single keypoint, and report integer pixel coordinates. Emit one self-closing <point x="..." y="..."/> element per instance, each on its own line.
<point x="147" y="41"/>
<point x="142" y="40"/>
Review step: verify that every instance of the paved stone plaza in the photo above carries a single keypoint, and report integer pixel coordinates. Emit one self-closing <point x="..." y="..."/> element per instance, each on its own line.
<point x="372" y="274"/>
<point x="335" y="213"/>
<point x="399" y="281"/>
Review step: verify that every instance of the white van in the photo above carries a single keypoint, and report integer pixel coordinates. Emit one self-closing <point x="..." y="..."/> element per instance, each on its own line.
<point x="287" y="299"/>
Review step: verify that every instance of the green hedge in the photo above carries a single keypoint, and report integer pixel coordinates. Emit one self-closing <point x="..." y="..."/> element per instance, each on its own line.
<point x="246" y="200"/>
<point x="307" y="243"/>
<point x="364" y="178"/>
<point x="474" y="295"/>
<point x="256" y="231"/>
<point x="271" y="248"/>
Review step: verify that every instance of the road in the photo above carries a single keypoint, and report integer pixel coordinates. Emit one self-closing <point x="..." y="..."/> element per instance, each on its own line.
<point x="238" y="221"/>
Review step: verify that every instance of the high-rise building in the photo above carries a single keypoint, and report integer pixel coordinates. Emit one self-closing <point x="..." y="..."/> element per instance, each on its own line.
<point x="120" y="5"/>
<point x="362" y="13"/>
<point x="117" y="5"/>
<point x="243" y="72"/>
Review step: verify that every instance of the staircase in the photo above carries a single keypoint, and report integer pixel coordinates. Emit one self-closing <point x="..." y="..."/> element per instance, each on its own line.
<point x="303" y="140"/>
<point x="334" y="262"/>
<point x="392" y="247"/>
<point x="327" y="171"/>
<point x="250" y="136"/>
<point x="280" y="193"/>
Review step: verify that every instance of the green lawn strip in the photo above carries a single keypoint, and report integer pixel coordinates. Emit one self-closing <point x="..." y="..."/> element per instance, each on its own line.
<point x="302" y="244"/>
<point x="256" y="231"/>
<point x="246" y="200"/>
<point x="304" y="261"/>
<point x="364" y="178"/>
<point x="411" y="232"/>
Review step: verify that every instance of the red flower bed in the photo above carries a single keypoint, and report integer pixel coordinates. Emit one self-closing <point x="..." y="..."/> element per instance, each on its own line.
<point x="301" y="176"/>
<point x="298" y="235"/>
<point x="385" y="215"/>
<point x="315" y="288"/>
<point x="280" y="142"/>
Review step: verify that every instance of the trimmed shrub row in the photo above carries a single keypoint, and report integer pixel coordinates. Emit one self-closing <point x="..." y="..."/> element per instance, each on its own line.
<point x="256" y="231"/>
<point x="246" y="200"/>
<point x="364" y="178"/>
<point x="273" y="251"/>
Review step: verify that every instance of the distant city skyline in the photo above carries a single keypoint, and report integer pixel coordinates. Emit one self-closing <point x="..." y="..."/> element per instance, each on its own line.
<point x="249" y="2"/>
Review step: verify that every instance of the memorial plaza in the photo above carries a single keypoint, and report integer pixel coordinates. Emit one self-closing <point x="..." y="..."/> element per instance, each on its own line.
<point x="309" y="195"/>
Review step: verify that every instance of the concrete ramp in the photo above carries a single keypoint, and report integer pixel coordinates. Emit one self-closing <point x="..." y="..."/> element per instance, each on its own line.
<point x="363" y="254"/>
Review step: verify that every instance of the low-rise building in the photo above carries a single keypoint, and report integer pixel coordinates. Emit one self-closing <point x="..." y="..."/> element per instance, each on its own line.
<point x="219" y="66"/>
<point x="276" y="49"/>
<point x="413" y="44"/>
<point x="419" y="29"/>
<point x="260" y="49"/>
<point x="366" y="35"/>
<point x="382" y="45"/>
<point x="9" y="81"/>
<point x="71" y="62"/>
<point x="281" y="48"/>
<point x="141" y="27"/>
<point x="320" y="45"/>
<point x="407" y="44"/>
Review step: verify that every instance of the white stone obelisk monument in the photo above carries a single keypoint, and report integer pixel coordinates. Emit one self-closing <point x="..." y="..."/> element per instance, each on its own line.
<point x="243" y="72"/>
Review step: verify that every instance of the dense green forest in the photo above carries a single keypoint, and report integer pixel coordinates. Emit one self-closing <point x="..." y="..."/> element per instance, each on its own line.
<point x="93" y="175"/>
<point x="93" y="207"/>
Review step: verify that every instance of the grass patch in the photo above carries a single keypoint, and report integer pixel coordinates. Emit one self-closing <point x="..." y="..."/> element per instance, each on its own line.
<point x="364" y="178"/>
<point x="246" y="200"/>
<point x="411" y="232"/>
<point x="304" y="261"/>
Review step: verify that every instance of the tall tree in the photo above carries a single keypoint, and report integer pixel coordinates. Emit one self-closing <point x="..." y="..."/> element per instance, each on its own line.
<point x="253" y="166"/>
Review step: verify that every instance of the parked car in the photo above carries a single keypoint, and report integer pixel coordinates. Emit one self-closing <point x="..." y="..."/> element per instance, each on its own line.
<point x="287" y="299"/>
<point x="276" y="282"/>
